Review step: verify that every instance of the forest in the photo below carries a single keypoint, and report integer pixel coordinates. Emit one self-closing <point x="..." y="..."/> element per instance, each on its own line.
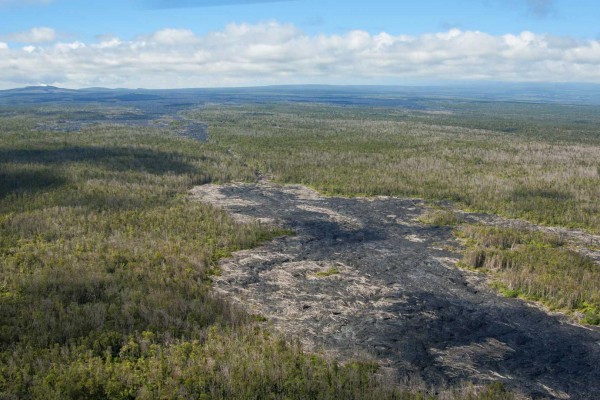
<point x="106" y="261"/>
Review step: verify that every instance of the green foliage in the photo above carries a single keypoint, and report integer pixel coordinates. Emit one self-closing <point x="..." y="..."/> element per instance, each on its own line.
<point x="534" y="265"/>
<point x="537" y="162"/>
<point x="328" y="272"/>
<point x="441" y="217"/>
<point x="104" y="277"/>
<point x="243" y="363"/>
<point x="543" y="169"/>
<point x="506" y="238"/>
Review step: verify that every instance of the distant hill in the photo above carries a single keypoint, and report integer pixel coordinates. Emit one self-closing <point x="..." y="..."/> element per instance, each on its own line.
<point x="411" y="97"/>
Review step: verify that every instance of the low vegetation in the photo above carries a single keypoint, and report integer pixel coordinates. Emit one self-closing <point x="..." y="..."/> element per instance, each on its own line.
<point x="328" y="272"/>
<point x="540" y="163"/>
<point x="104" y="278"/>
<point x="441" y="217"/>
<point x="543" y="168"/>
<point x="536" y="266"/>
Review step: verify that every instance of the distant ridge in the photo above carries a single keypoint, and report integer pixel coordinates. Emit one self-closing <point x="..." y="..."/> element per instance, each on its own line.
<point x="383" y="96"/>
<point x="39" y="89"/>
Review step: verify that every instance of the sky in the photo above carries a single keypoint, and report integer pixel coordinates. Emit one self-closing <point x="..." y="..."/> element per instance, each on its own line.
<point x="211" y="43"/>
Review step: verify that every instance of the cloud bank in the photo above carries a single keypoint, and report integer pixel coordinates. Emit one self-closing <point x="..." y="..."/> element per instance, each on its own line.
<point x="275" y="53"/>
<point x="34" y="35"/>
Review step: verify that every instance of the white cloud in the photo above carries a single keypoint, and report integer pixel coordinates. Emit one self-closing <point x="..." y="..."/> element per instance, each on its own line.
<point x="34" y="35"/>
<point x="174" y="36"/>
<point x="274" y="53"/>
<point x="69" y="46"/>
<point x="109" y="42"/>
<point x="3" y="46"/>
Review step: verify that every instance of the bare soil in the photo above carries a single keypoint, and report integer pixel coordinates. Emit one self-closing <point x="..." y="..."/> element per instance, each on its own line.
<point x="363" y="278"/>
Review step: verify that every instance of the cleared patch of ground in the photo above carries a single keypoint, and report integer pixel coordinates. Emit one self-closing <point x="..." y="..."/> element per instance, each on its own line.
<point x="363" y="278"/>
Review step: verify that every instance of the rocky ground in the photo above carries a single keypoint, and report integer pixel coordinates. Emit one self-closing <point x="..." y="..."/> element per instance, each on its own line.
<point x="362" y="278"/>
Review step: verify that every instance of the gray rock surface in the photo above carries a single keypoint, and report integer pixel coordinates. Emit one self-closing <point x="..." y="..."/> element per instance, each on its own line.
<point x="362" y="278"/>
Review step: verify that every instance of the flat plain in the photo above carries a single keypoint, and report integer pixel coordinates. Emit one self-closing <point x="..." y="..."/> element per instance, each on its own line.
<point x="411" y="244"/>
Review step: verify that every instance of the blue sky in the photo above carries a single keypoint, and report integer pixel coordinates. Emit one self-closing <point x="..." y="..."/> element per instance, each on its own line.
<point x="155" y="35"/>
<point x="77" y="19"/>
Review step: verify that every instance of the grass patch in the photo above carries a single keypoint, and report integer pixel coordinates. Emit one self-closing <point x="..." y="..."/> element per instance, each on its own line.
<point x="441" y="217"/>
<point x="535" y="265"/>
<point x="329" y="272"/>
